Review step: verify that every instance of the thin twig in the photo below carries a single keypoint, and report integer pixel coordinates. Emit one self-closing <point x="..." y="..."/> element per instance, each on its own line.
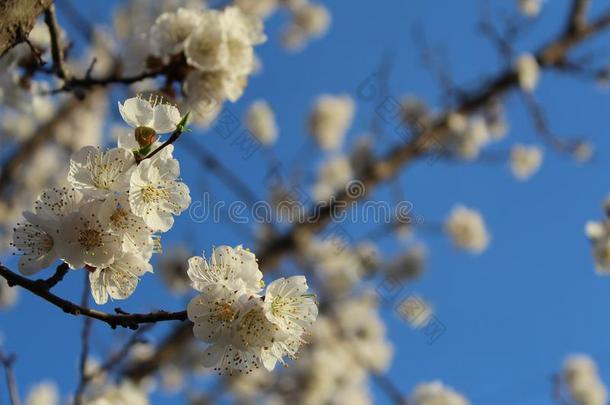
<point x="389" y="388"/>
<point x="124" y="320"/>
<point x="85" y="340"/>
<point x="57" y="52"/>
<point x="542" y="127"/>
<point x="114" y="78"/>
<point x="207" y="159"/>
<point x="384" y="168"/>
<point x="172" y="138"/>
<point x="11" y="382"/>
<point x="117" y="358"/>
<point x="57" y="277"/>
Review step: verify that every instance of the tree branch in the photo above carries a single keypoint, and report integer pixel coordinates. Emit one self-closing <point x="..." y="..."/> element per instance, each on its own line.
<point x="11" y="382"/>
<point x="578" y="15"/>
<point x="123" y="319"/>
<point x="57" y="277"/>
<point x="549" y="56"/>
<point x="17" y="18"/>
<point x="88" y="82"/>
<point x="28" y="148"/>
<point x="56" y="50"/>
<point x="85" y="342"/>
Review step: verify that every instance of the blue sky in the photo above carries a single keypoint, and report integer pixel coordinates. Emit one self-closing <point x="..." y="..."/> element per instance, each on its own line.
<point x="511" y="314"/>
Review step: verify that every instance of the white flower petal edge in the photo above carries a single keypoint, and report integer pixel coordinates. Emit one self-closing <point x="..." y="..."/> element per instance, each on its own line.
<point x="137" y="112"/>
<point x="235" y="268"/>
<point x="288" y="306"/>
<point x="118" y="280"/>
<point x="100" y="173"/>
<point x="35" y="244"/>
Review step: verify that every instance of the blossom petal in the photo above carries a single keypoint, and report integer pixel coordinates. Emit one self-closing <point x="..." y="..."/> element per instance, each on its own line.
<point x="137" y="112"/>
<point x="165" y="119"/>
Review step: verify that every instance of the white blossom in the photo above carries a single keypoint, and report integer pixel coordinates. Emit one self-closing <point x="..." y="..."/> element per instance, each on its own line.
<point x="137" y="236"/>
<point x="260" y="8"/>
<point x="582" y="380"/>
<point x="467" y="229"/>
<point x="171" y="29"/>
<point x="236" y="268"/>
<point x="330" y="119"/>
<point x="525" y="161"/>
<point x="86" y="238"/>
<point x="125" y="394"/>
<point x="244" y="330"/>
<point x="530" y="8"/>
<point x="156" y="195"/>
<point x="36" y="241"/>
<point x="44" y="393"/>
<point x="599" y="234"/>
<point x="288" y="306"/>
<point x="416" y="311"/>
<point x="528" y="72"/>
<point x="261" y="122"/>
<point x="152" y="113"/>
<point x="100" y="173"/>
<point x="119" y="279"/>
<point x="473" y="136"/>
<point x="435" y="393"/>
<point x="8" y="295"/>
<point x="224" y="41"/>
<point x="309" y="21"/>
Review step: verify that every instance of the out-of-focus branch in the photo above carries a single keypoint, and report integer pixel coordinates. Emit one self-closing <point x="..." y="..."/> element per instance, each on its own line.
<point x="123" y="319"/>
<point x="17" y="18"/>
<point x="578" y="15"/>
<point x="549" y="56"/>
<point x="115" y="359"/>
<point x="7" y="362"/>
<point x="28" y="148"/>
<point x="57" y="52"/>
<point x="207" y="159"/>
<point x="114" y="78"/>
<point x="85" y="340"/>
<point x="389" y="388"/>
<point x="544" y="130"/>
<point x="167" y="350"/>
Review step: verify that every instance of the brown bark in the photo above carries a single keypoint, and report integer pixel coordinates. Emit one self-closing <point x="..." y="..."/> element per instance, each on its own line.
<point x="17" y="18"/>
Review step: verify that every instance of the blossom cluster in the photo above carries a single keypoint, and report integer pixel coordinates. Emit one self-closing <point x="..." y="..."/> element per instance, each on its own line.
<point x="108" y="218"/>
<point x="599" y="235"/>
<point x="243" y="328"/>
<point x="218" y="47"/>
<point x="581" y="378"/>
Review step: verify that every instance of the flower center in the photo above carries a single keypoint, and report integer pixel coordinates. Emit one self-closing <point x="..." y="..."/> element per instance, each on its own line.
<point x="224" y="312"/>
<point x="46" y="242"/>
<point x="90" y="239"/>
<point x="119" y="217"/>
<point x="254" y="330"/>
<point x="152" y="194"/>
